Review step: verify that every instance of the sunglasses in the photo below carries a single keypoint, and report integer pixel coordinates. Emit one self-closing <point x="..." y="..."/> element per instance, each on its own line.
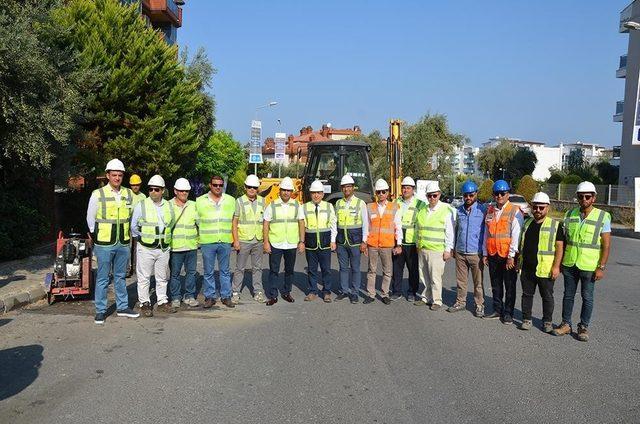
<point x="381" y="191"/>
<point x="470" y="195"/>
<point x="284" y="189"/>
<point x="216" y="185"/>
<point x="152" y="189"/>
<point x="182" y="191"/>
<point x="538" y="208"/>
<point x="251" y="187"/>
<point x="432" y="196"/>
<point x="500" y="193"/>
<point x="585" y="196"/>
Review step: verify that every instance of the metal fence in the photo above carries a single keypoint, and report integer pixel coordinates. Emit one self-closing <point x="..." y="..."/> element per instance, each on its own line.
<point x="619" y="195"/>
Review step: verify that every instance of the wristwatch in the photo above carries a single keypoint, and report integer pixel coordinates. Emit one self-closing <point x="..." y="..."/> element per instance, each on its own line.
<point x="602" y="267"/>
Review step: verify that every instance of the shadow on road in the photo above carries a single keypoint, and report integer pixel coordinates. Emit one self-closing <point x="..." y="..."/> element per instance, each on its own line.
<point x="4" y="321"/>
<point x="19" y="368"/>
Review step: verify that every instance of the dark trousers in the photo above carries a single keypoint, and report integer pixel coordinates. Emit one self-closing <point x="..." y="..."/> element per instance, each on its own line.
<point x="408" y="257"/>
<point x="572" y="277"/>
<point x="321" y="257"/>
<point x="503" y="284"/>
<point x="529" y="282"/>
<point x="274" y="268"/>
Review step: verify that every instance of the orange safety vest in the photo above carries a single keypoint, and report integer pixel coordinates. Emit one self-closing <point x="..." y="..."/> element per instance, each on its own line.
<point x="499" y="231"/>
<point x="382" y="229"/>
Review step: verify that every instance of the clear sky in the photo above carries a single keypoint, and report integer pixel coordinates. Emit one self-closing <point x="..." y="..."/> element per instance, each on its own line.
<point x="539" y="70"/>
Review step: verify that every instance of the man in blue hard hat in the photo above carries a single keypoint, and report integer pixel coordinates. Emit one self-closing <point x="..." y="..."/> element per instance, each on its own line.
<point x="468" y="249"/>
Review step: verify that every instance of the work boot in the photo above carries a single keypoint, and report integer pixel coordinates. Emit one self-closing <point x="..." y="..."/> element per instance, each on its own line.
<point x="191" y="302"/>
<point x="167" y="308"/>
<point x="259" y="297"/>
<point x="583" y="335"/>
<point x="457" y="307"/>
<point x="563" y="330"/>
<point x="287" y="297"/>
<point x="310" y="297"/>
<point x="209" y="302"/>
<point x="479" y="311"/>
<point x="235" y="298"/>
<point x="228" y="303"/>
<point x="146" y="309"/>
<point x="547" y="327"/>
<point x="526" y="324"/>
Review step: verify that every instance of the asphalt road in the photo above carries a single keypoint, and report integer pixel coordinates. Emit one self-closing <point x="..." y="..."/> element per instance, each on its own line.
<point x="315" y="362"/>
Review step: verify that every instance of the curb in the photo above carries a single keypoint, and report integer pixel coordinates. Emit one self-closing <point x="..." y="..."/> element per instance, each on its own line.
<point x="29" y="295"/>
<point x="625" y="232"/>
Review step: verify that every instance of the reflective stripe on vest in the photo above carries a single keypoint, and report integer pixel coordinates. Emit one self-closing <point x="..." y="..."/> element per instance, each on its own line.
<point x="149" y="221"/>
<point x="317" y="228"/>
<point x="381" y="227"/>
<point x="137" y="198"/>
<point x="283" y="227"/>
<point x="583" y="238"/>
<point x="431" y="228"/>
<point x="185" y="231"/>
<point x="214" y="219"/>
<point x="349" y="221"/>
<point x="113" y="218"/>
<point x="546" y="245"/>
<point x="499" y="231"/>
<point x="250" y="222"/>
<point x="408" y="220"/>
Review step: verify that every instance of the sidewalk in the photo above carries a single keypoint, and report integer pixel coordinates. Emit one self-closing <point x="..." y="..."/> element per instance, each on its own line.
<point x="21" y="280"/>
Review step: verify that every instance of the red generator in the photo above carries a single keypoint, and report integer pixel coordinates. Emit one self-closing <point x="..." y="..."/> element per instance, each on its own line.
<point x="72" y="274"/>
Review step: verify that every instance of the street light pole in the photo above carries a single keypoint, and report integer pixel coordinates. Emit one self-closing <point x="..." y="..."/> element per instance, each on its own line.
<point x="255" y="165"/>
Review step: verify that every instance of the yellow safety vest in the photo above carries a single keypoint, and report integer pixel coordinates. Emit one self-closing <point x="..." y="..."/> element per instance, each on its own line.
<point x="583" y="238"/>
<point x="215" y="219"/>
<point x="409" y="219"/>
<point x="185" y="230"/>
<point x="283" y="226"/>
<point x="318" y="228"/>
<point x="149" y="221"/>
<point x="137" y="198"/>
<point x="430" y="227"/>
<point x="546" y="245"/>
<point x="349" y="221"/>
<point x="113" y="218"/>
<point x="250" y="222"/>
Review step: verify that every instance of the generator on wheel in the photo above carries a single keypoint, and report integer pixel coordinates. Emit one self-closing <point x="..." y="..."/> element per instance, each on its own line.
<point x="72" y="275"/>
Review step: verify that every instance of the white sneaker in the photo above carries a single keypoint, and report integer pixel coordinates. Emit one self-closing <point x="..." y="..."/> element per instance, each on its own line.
<point x="175" y="303"/>
<point x="235" y="298"/>
<point x="259" y="297"/>
<point x="191" y="302"/>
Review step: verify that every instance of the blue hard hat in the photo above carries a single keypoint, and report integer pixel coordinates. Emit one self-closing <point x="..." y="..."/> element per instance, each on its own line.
<point x="500" y="185"/>
<point x="469" y="187"/>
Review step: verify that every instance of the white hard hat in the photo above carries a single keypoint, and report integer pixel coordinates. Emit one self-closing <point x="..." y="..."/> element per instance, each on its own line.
<point x="181" y="184"/>
<point x="433" y="186"/>
<point x="586" y="187"/>
<point x="381" y="185"/>
<point x="252" y="181"/>
<point x="287" y="183"/>
<point x="316" y="186"/>
<point x="114" y="165"/>
<point x="541" y="197"/>
<point x="408" y="181"/>
<point x="156" y="181"/>
<point x="347" y="179"/>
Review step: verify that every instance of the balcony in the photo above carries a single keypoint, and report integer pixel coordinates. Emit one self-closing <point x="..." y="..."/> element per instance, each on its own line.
<point x="162" y="11"/>
<point x="622" y="68"/>
<point x="619" y="110"/>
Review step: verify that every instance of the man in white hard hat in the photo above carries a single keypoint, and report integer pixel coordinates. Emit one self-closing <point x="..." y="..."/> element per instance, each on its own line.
<point x="409" y="205"/>
<point x="434" y="237"/>
<point x="588" y="239"/>
<point x="541" y="247"/>
<point x="283" y="234"/>
<point x="108" y="217"/>
<point x="184" y="245"/>
<point x="320" y="240"/>
<point x="151" y="224"/>
<point x="353" y="229"/>
<point x="383" y="241"/>
<point x="247" y="239"/>
<point x="215" y="217"/>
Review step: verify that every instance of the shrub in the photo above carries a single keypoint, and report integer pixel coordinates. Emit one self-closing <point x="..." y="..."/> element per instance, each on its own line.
<point x="527" y="187"/>
<point x="486" y="190"/>
<point x="21" y="228"/>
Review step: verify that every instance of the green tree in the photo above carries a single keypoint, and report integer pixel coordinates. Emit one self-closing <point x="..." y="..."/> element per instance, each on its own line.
<point x="222" y="155"/>
<point x="575" y="161"/>
<point x="508" y="160"/>
<point x="485" y="191"/>
<point x="377" y="155"/>
<point x="608" y="173"/>
<point x="147" y="109"/>
<point x="527" y="187"/>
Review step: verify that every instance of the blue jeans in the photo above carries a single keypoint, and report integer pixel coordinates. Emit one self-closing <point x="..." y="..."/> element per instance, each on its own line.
<point x="209" y="253"/>
<point x="573" y="276"/>
<point x="117" y="258"/>
<point x="349" y="255"/>
<point x="189" y="259"/>
<point x="274" y="267"/>
<point x="322" y="258"/>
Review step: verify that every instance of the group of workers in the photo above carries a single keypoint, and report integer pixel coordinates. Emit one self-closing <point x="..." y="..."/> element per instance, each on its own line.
<point x="406" y="232"/>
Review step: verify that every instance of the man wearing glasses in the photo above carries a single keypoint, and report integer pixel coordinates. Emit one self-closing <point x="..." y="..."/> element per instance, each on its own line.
<point x="215" y="215"/>
<point x="247" y="238"/>
<point x="353" y="229"/>
<point x="468" y="251"/>
<point x="383" y="241"/>
<point x="541" y="248"/>
<point x="151" y="223"/>
<point x="135" y="183"/>
<point x="283" y="232"/>
<point x="501" y="235"/>
<point x="435" y="236"/>
<point x="409" y="205"/>
<point x="588" y="232"/>
<point x="184" y="245"/>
